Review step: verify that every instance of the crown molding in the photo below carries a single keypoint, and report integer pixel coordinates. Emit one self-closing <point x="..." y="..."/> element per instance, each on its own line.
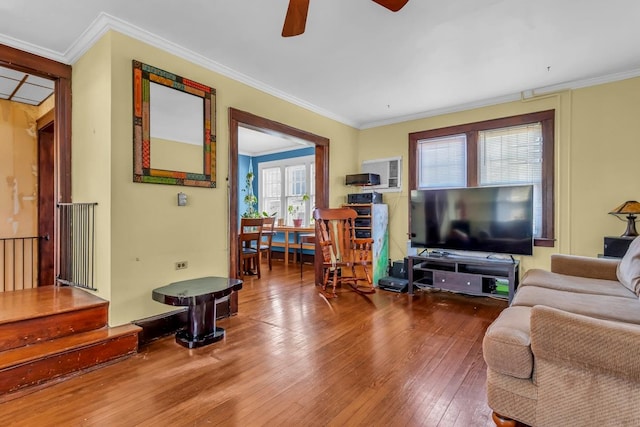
<point x="105" y="22"/>
<point x="98" y="28"/>
<point x="441" y="111"/>
<point x="591" y="81"/>
<point x="32" y="48"/>
<point x="526" y="94"/>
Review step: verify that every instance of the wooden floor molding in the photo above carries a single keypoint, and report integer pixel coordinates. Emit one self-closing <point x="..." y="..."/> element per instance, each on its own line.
<point x="291" y="357"/>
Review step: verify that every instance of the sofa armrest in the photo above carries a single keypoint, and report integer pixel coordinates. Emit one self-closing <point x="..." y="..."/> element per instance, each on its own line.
<point x="595" y="345"/>
<point x="581" y="266"/>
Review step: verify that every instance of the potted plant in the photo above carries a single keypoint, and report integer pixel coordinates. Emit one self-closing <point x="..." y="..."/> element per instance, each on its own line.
<point x="251" y="201"/>
<point x="293" y="211"/>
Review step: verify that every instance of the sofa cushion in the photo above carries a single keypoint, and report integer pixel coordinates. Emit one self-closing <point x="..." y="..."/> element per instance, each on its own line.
<point x="599" y="306"/>
<point x="563" y="282"/>
<point x="629" y="268"/>
<point x="507" y="344"/>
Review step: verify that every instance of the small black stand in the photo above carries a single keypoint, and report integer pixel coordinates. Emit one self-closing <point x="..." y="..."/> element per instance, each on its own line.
<point x="200" y="296"/>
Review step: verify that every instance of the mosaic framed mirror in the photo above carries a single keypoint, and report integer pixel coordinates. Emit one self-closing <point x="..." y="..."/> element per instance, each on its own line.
<point x="174" y="129"/>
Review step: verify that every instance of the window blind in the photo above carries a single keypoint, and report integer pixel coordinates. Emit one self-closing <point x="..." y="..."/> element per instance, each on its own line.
<point x="442" y="162"/>
<point x="512" y="156"/>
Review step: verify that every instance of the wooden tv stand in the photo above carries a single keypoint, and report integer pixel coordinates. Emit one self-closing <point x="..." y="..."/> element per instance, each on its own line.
<point x="468" y="275"/>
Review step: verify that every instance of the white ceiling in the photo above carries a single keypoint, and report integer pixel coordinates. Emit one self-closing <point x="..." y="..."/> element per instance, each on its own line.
<point x="253" y="142"/>
<point x="357" y="62"/>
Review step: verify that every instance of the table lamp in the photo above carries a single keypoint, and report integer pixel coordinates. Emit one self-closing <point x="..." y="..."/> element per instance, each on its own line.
<point x="630" y="208"/>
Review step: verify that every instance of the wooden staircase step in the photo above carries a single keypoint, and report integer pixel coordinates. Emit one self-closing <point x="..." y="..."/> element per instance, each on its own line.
<point x="37" y="363"/>
<point x="44" y="301"/>
<point x="33" y="315"/>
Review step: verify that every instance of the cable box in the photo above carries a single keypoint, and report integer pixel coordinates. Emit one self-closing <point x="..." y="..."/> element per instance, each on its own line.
<point x="393" y="284"/>
<point x="370" y="197"/>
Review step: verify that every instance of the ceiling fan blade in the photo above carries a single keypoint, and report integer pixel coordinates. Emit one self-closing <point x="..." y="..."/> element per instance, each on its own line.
<point x="296" y="18"/>
<point x="392" y="5"/>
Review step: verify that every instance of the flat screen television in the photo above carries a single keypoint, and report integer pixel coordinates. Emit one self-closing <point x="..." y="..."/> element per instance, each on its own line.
<point x="485" y="219"/>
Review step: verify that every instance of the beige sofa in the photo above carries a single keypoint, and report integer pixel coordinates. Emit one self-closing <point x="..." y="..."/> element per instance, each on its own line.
<point x="567" y="350"/>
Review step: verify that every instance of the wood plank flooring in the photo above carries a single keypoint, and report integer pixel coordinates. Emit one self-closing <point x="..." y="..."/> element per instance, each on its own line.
<point x="292" y="358"/>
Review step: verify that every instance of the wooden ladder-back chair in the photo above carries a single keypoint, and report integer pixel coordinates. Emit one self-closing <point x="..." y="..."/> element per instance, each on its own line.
<point x="249" y="240"/>
<point x="335" y="232"/>
<point x="267" y="237"/>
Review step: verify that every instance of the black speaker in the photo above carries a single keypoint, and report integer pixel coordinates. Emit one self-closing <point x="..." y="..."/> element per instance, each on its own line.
<point x="399" y="269"/>
<point x="362" y="179"/>
<point x="616" y="246"/>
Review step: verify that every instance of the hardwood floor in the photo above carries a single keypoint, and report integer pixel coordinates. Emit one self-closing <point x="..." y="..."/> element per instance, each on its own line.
<point x="292" y="358"/>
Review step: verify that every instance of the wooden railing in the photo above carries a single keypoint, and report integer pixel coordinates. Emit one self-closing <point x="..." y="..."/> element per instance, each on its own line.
<point x="18" y="263"/>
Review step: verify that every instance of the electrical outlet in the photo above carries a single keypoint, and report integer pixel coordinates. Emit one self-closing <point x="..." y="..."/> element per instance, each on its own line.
<point x="181" y="265"/>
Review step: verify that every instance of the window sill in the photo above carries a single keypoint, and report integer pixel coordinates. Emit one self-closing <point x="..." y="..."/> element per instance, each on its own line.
<point x="544" y="242"/>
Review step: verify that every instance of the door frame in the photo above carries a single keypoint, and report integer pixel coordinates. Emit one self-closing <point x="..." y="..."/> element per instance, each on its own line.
<point x="61" y="75"/>
<point x="46" y="201"/>
<point x="237" y="118"/>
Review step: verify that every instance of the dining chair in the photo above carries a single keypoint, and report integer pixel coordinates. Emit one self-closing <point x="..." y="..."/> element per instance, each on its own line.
<point x="267" y="237"/>
<point x="249" y="240"/>
<point x="335" y="233"/>
<point x="305" y="240"/>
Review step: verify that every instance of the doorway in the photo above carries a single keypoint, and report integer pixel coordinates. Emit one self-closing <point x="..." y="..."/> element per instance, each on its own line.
<point x="239" y="118"/>
<point x="57" y="139"/>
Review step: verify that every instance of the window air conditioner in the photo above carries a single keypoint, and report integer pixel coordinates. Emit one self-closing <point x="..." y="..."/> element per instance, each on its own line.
<point x="390" y="171"/>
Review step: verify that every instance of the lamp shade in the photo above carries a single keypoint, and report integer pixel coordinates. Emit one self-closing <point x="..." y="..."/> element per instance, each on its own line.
<point x="630" y="207"/>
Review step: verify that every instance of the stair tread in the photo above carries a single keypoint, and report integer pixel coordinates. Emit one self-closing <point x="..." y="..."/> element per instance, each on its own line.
<point x="45" y="301"/>
<point x="40" y="350"/>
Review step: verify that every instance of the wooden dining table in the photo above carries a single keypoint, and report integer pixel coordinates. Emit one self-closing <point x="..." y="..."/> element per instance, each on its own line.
<point x="297" y="231"/>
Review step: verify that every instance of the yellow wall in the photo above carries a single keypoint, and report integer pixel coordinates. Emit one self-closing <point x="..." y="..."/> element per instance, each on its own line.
<point x="91" y="149"/>
<point x="605" y="149"/>
<point x="142" y="230"/>
<point x="19" y="164"/>
<point x="596" y="155"/>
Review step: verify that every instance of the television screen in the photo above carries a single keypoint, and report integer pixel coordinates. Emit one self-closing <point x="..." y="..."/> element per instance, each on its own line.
<point x="486" y="219"/>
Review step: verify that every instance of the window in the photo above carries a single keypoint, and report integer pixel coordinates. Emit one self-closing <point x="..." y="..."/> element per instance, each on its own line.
<point x="510" y="151"/>
<point x="443" y="162"/>
<point x="287" y="188"/>
<point x="270" y="200"/>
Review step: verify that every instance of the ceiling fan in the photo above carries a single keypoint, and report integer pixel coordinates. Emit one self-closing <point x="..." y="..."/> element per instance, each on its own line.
<point x="296" y="18"/>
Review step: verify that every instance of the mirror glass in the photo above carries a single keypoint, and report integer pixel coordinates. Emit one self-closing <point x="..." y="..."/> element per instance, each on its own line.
<point x="177" y="134"/>
<point x="174" y="129"/>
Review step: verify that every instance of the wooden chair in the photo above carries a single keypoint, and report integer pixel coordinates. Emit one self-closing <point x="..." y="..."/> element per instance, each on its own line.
<point x="341" y="249"/>
<point x="249" y="239"/>
<point x="267" y="237"/>
<point x="305" y="240"/>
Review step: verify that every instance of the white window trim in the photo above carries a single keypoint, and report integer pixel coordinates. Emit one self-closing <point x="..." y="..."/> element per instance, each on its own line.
<point x="282" y="164"/>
